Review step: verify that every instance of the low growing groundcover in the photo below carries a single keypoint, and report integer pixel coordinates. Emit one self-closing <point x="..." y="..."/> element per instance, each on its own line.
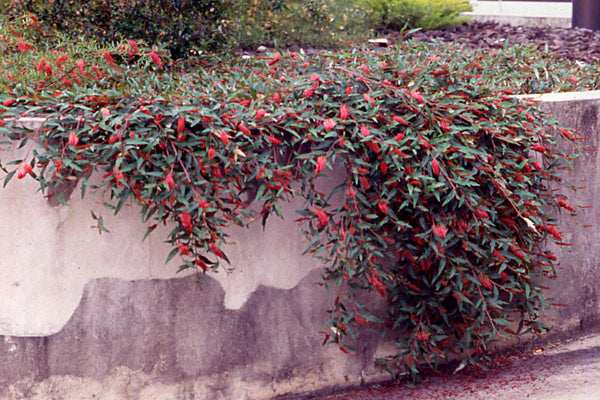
<point x="451" y="185"/>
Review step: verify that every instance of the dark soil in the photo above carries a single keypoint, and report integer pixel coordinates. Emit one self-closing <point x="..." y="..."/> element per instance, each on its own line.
<point x="574" y="44"/>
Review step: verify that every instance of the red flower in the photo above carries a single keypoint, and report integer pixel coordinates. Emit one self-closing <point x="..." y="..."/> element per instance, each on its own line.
<point x="564" y="204"/>
<point x="169" y="181"/>
<point x="359" y="319"/>
<point x="349" y="90"/>
<point x="439" y="230"/>
<point x="97" y="71"/>
<point x="383" y="167"/>
<point x="276" y="58"/>
<point x="203" y="204"/>
<point x="422" y="336"/>
<point x="424" y="143"/>
<point x="40" y="66"/>
<point x="61" y="60"/>
<point x="329" y="124"/>
<point x="23" y="170"/>
<point x="109" y="59"/>
<point x="180" y="125"/>
<point x="364" y="182"/>
<point x="321" y="161"/>
<point x="344" y="112"/>
<point x="554" y="232"/>
<point x="308" y="92"/>
<point x="365" y="131"/>
<point x="244" y="130"/>
<point x="315" y="77"/>
<point x="186" y="220"/>
<point x="365" y="69"/>
<point x="540" y="148"/>
<point x="445" y="125"/>
<point x="156" y="59"/>
<point x="211" y="153"/>
<point x="224" y="137"/>
<point x="183" y="249"/>
<point x="373" y="146"/>
<point x="378" y="286"/>
<point x="73" y="139"/>
<point x="417" y="96"/>
<point x="216" y="251"/>
<point x="8" y="102"/>
<point x="114" y="138"/>
<point x="435" y="167"/>
<point x="274" y="140"/>
<point x="260" y="173"/>
<point x="201" y="264"/>
<point x="23" y="47"/>
<point x="498" y="255"/>
<point x="80" y="65"/>
<point x="118" y="175"/>
<point x="259" y="114"/>
<point x="322" y="216"/>
<point x="481" y="213"/>
<point x="399" y="120"/>
<point x="383" y="206"/>
<point x="486" y="282"/>
<point x="134" y="47"/>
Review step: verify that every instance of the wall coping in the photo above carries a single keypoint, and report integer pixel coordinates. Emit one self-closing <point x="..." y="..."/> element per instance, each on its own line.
<point x="561" y="97"/>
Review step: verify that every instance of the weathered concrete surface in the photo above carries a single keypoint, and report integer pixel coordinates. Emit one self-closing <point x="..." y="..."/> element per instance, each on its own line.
<point x="578" y="285"/>
<point x="50" y="252"/>
<point x="174" y="338"/>
<point x="84" y="314"/>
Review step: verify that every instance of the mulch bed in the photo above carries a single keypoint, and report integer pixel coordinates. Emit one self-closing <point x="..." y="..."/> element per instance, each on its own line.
<point x="574" y="44"/>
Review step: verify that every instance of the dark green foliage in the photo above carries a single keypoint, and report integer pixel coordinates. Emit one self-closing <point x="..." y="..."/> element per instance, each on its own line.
<point x="179" y="25"/>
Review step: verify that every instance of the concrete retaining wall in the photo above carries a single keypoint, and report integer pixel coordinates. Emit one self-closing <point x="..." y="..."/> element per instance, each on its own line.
<point x="578" y="284"/>
<point x="87" y="316"/>
<point x="527" y="13"/>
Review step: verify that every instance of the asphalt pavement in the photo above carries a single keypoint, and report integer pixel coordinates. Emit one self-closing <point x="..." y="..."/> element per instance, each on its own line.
<point x="567" y="370"/>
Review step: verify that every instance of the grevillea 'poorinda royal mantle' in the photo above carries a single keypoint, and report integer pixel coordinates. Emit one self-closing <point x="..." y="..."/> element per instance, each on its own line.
<point x="447" y="198"/>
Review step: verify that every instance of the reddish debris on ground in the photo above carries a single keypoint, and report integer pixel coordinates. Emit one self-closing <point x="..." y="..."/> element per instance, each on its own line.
<point x="575" y="44"/>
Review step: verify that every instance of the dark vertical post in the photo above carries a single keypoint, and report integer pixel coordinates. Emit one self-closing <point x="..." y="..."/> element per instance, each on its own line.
<point x="586" y="14"/>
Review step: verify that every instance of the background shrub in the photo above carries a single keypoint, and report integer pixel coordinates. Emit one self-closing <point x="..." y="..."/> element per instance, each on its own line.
<point x="179" y="25"/>
<point x="216" y="25"/>
<point x="425" y="14"/>
<point x="296" y="22"/>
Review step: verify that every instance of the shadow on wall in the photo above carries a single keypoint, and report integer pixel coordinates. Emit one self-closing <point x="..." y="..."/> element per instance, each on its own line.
<point x="173" y="330"/>
<point x="50" y="252"/>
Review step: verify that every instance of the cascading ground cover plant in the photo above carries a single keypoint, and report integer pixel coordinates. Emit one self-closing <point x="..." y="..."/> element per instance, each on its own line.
<point x="447" y="198"/>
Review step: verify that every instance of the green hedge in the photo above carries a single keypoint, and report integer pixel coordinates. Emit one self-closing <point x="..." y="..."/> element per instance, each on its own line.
<point x="185" y="27"/>
<point x="425" y="14"/>
<point x="179" y="25"/>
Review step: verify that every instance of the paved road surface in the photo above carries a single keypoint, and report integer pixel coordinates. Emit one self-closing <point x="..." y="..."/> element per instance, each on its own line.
<point x="566" y="371"/>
